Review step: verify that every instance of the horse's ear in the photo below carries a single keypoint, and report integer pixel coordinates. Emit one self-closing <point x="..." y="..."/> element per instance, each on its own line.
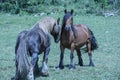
<point x="72" y="11"/>
<point x="65" y="11"/>
<point x="58" y="20"/>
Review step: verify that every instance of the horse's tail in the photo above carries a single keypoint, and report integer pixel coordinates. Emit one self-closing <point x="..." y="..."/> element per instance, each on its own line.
<point x="22" y="59"/>
<point x="93" y="40"/>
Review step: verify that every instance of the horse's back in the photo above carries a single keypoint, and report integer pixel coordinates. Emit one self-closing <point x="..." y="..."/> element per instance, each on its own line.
<point x="83" y="29"/>
<point x="82" y="33"/>
<point x="79" y="26"/>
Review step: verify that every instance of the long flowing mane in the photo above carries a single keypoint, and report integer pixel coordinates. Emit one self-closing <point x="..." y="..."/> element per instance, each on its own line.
<point x="66" y="16"/>
<point x="46" y="24"/>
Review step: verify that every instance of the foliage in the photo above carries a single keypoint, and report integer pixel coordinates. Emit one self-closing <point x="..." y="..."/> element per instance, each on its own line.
<point x="38" y="6"/>
<point x="6" y="7"/>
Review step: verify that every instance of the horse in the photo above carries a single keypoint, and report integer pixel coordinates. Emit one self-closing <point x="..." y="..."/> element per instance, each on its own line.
<point x="33" y="42"/>
<point x="74" y="37"/>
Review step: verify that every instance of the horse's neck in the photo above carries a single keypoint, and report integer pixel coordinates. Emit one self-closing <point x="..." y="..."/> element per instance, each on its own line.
<point x="65" y="35"/>
<point x="45" y="27"/>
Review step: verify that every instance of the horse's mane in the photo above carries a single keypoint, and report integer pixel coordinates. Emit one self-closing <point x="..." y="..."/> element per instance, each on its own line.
<point x="46" y="24"/>
<point x="67" y="16"/>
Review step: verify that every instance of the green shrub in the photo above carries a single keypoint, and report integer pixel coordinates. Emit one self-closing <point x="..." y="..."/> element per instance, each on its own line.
<point x="53" y="6"/>
<point x="6" y="7"/>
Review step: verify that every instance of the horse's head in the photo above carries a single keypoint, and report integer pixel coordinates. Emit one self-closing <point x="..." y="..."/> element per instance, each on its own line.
<point x="68" y="20"/>
<point x="56" y="31"/>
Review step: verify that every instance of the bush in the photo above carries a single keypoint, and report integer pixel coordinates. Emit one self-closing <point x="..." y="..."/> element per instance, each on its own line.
<point x="6" y="7"/>
<point x="53" y="6"/>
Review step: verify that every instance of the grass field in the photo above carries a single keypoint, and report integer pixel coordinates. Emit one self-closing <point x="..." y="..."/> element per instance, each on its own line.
<point x="106" y="57"/>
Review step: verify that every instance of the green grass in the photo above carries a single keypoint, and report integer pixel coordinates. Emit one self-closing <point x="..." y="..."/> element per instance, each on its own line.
<point x="106" y="57"/>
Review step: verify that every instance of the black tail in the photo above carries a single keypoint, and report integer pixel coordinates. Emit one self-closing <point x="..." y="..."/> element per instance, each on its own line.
<point x="22" y="59"/>
<point x="93" y="40"/>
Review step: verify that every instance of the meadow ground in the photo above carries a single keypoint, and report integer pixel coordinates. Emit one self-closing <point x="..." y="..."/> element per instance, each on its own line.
<point x="106" y="57"/>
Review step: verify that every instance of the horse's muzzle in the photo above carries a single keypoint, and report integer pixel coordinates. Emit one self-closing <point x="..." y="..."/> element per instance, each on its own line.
<point x="58" y="39"/>
<point x="67" y="28"/>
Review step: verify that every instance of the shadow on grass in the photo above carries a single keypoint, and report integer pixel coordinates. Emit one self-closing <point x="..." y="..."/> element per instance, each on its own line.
<point x="77" y="65"/>
<point x="68" y="66"/>
<point x="37" y="74"/>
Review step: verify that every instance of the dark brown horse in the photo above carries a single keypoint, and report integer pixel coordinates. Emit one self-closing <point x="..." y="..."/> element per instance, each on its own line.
<point x="74" y="37"/>
<point x="32" y="43"/>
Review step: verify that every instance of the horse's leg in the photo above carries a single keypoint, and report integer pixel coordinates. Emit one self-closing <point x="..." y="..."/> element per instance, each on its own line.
<point x="90" y="53"/>
<point x="61" y="66"/>
<point x="72" y="66"/>
<point x="36" y="68"/>
<point x="80" y="61"/>
<point x="45" y="60"/>
<point x="32" y="66"/>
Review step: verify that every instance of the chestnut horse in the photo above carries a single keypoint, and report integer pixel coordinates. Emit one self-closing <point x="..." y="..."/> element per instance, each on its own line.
<point x="32" y="43"/>
<point x="74" y="37"/>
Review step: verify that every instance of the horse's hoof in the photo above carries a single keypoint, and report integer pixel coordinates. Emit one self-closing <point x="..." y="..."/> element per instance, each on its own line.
<point x="13" y="78"/>
<point x="45" y="74"/>
<point x="36" y="73"/>
<point x="81" y="64"/>
<point x="59" y="67"/>
<point x="92" y="65"/>
<point x="71" y="67"/>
